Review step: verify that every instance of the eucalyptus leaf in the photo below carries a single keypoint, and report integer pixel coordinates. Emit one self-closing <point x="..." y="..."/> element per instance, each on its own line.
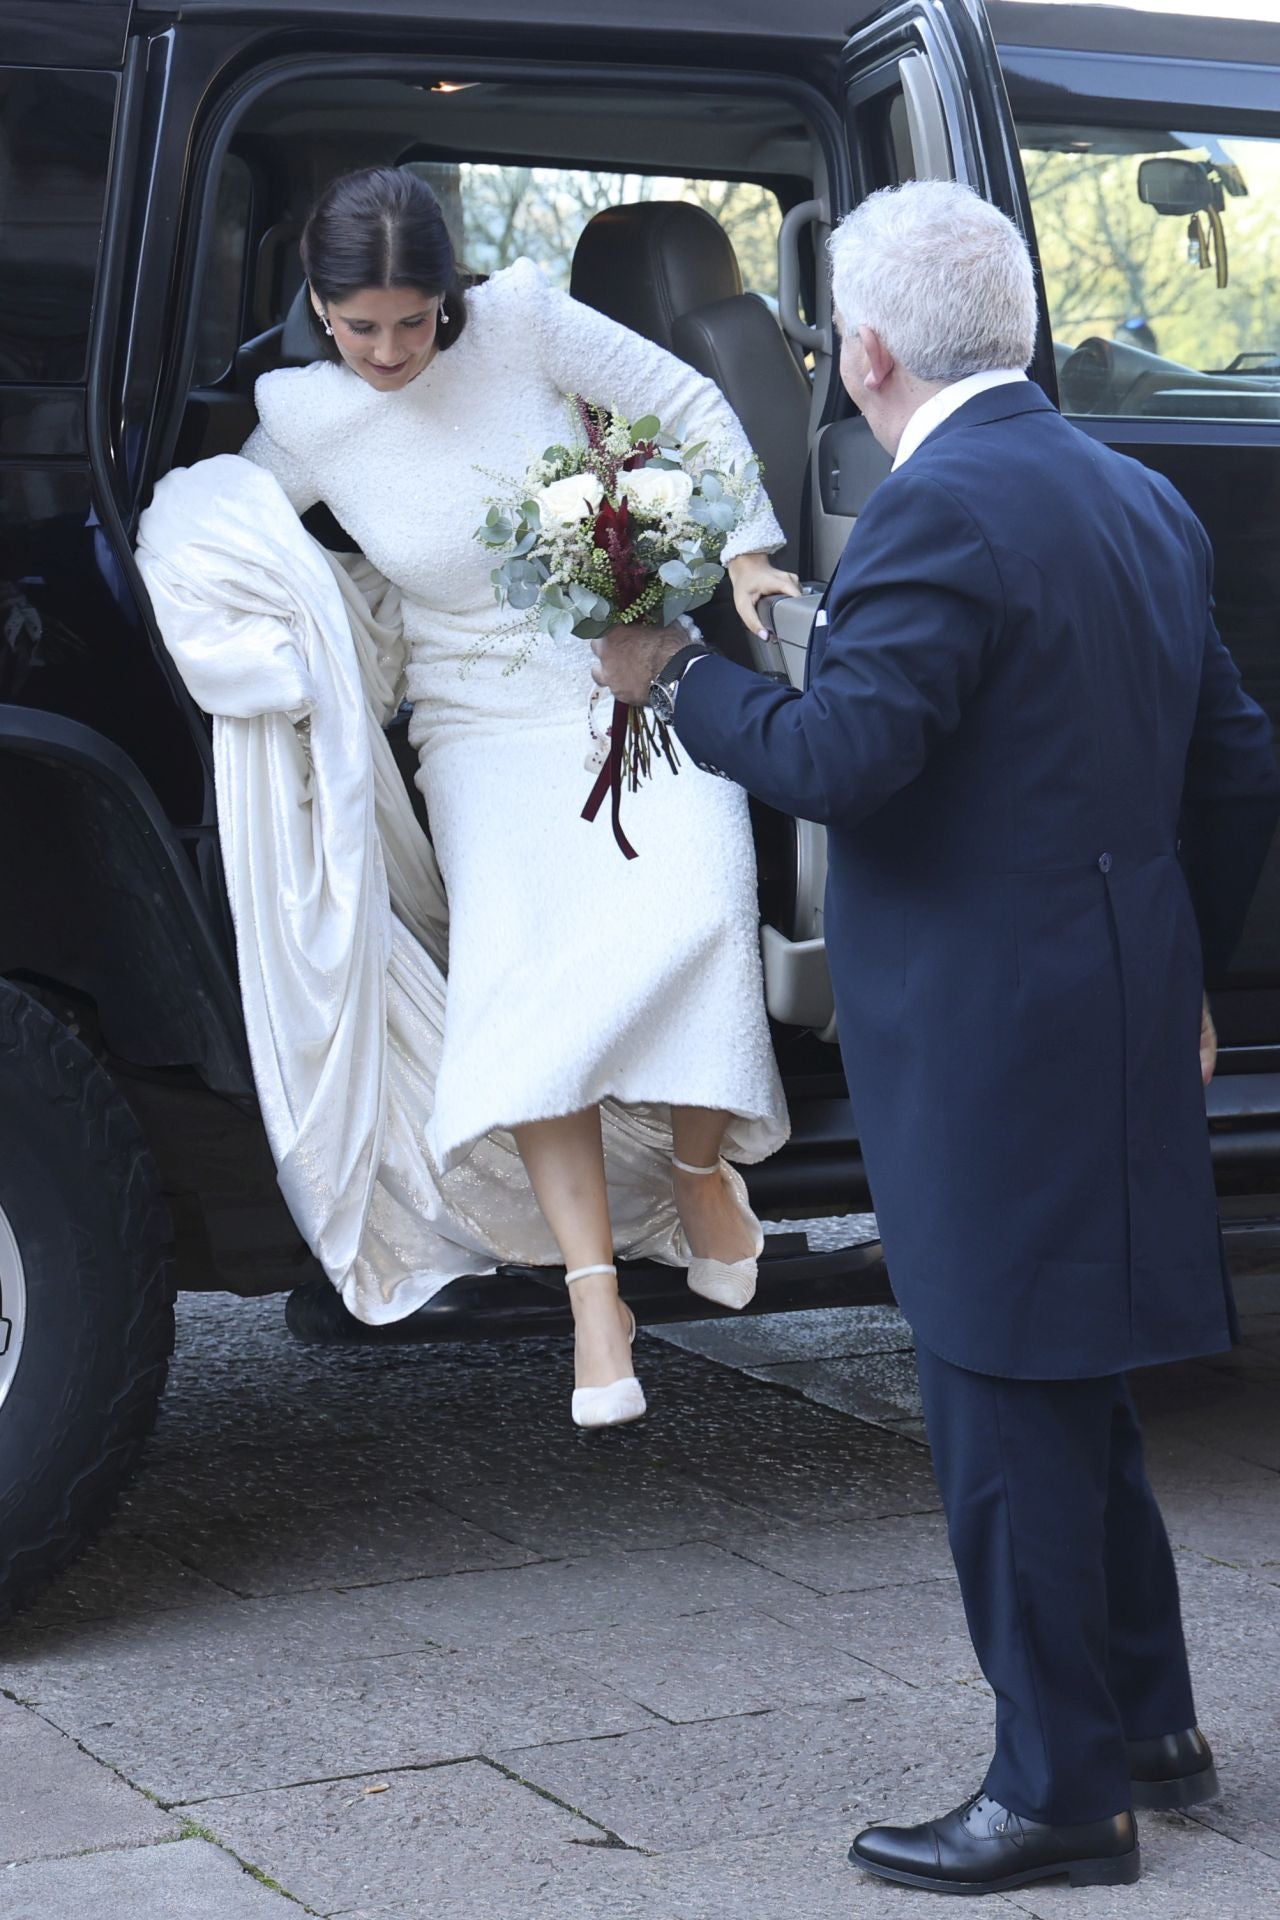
<point x="673" y="606"/>
<point x="674" y="573"/>
<point x="525" y="542"/>
<point x="646" y="428"/>
<point x="522" y="594"/>
<point x="724" y="515"/>
<point x="531" y="513"/>
<point x="558" y="623"/>
<point x="554" y="597"/>
<point x="710" y="488"/>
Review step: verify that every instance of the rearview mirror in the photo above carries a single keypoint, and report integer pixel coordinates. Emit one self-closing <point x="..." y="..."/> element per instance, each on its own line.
<point x="1179" y="187"/>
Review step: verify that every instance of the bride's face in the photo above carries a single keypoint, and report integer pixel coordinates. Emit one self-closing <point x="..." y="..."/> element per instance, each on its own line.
<point x="385" y="334"/>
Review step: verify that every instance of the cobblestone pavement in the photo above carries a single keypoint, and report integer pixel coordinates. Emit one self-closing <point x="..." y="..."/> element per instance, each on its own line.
<point x="377" y="1634"/>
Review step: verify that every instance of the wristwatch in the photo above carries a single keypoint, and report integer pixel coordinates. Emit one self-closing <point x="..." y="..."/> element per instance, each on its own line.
<point x="662" y="688"/>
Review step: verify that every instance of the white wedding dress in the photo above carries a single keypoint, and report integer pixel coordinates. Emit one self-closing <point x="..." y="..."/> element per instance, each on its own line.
<point x="574" y="974"/>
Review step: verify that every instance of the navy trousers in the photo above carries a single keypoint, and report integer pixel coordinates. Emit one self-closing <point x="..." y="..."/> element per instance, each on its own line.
<point x="1068" y="1582"/>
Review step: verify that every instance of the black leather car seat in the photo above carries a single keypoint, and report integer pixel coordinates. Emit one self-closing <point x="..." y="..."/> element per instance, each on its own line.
<point x="220" y="419"/>
<point x="668" y="270"/>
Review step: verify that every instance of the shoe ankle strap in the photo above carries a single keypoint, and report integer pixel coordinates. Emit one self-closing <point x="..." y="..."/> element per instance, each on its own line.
<point x="580" y="1273"/>
<point x="682" y="1166"/>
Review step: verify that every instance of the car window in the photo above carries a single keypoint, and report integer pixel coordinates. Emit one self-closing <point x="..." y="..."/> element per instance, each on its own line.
<point x="55" y="138"/>
<point x="222" y="296"/>
<point x="1160" y="250"/>
<point x="497" y="213"/>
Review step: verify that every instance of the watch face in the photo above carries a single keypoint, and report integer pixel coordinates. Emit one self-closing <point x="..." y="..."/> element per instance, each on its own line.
<point x="661" y="702"/>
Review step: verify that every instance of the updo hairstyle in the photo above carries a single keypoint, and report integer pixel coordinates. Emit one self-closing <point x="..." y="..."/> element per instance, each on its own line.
<point x="380" y="227"/>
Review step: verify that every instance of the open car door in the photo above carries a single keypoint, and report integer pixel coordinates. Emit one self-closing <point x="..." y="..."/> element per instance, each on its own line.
<point x="922" y="98"/>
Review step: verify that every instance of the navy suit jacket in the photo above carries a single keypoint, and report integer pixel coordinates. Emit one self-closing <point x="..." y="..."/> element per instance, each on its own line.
<point x="1019" y="708"/>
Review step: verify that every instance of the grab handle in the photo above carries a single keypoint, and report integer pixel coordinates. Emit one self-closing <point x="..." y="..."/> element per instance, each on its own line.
<point x="809" y="213"/>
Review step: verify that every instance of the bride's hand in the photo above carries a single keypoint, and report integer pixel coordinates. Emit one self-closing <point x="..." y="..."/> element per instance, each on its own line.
<point x="753" y="577"/>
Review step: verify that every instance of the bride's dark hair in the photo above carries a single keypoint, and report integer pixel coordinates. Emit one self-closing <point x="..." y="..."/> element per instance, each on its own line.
<point x="381" y="227"/>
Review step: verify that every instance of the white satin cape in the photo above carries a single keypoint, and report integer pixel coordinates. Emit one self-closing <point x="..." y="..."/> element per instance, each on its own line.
<point x="340" y="915"/>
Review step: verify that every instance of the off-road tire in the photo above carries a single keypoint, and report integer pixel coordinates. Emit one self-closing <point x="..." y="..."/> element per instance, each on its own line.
<point x="82" y="1199"/>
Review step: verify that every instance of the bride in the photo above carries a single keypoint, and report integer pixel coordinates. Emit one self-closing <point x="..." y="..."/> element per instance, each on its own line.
<point x="575" y="975"/>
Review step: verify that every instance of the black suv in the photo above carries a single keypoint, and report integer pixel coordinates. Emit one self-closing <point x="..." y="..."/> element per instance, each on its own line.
<point x="156" y="161"/>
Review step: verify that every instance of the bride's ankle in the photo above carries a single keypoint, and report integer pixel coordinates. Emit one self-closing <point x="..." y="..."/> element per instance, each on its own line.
<point x="592" y="1291"/>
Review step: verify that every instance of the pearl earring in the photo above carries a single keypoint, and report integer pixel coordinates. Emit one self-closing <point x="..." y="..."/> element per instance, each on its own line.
<point x="444" y="317"/>
<point x="328" y="329"/>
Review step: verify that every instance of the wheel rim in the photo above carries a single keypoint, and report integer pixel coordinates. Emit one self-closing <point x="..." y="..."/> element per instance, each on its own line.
<point x="13" y="1305"/>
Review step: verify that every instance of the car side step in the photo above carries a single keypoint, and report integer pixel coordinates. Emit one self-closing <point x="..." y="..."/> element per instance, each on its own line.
<point x="520" y="1301"/>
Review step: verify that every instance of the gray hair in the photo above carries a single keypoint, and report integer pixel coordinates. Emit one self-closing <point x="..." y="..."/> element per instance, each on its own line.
<point x="941" y="275"/>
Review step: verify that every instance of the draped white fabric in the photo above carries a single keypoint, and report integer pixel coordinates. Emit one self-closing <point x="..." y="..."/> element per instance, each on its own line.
<point x="340" y="915"/>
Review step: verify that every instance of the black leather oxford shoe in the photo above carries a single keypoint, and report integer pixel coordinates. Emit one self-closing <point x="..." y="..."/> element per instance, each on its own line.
<point x="1174" y="1771"/>
<point x="984" y="1848"/>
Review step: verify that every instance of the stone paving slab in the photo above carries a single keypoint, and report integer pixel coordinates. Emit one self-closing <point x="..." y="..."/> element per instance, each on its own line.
<point x="716" y="1665"/>
<point x="187" y="1737"/>
<point x="56" y="1800"/>
<point x="605" y="1589"/>
<point x="280" y="1634"/>
<point x="817" y="1769"/>
<point x="762" y="1879"/>
<point x="819" y="1333"/>
<point x="291" y="1630"/>
<point x="451" y="1840"/>
<point x="878" y="1387"/>
<point x="403" y="1537"/>
<point x="189" y="1880"/>
<point x="613" y="1501"/>
<point x="122" y="1573"/>
<point x="924" y="1642"/>
<point x="853" y="1555"/>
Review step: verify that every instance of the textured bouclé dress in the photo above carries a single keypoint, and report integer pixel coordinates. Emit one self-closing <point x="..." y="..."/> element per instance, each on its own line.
<point x="575" y="975"/>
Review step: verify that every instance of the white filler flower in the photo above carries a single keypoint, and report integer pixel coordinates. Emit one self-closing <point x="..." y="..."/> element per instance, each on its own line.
<point x="565" y="503"/>
<point x="657" y="490"/>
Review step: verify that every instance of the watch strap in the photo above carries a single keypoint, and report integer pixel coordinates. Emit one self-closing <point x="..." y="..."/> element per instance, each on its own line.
<point x="670" y="674"/>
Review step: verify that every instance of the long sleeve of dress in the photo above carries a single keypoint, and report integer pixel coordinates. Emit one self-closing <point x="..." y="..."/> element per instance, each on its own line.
<point x="585" y="352"/>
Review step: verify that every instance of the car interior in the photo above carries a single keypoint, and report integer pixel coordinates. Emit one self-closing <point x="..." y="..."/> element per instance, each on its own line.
<point x="613" y="195"/>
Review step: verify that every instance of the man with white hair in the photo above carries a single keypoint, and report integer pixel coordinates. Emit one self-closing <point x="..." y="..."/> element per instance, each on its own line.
<point x="1048" y="800"/>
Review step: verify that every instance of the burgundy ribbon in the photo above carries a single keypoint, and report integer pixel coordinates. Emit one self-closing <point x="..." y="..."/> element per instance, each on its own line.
<point x="610" y="778"/>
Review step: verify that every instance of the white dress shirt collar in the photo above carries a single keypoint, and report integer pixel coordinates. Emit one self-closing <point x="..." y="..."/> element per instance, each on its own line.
<point x="940" y="406"/>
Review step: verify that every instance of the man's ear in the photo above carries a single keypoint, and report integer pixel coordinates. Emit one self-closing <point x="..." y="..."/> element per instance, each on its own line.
<point x="880" y="362"/>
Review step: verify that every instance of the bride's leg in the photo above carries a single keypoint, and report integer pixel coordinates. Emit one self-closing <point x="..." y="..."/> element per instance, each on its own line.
<point x="710" y="1214"/>
<point x="564" y="1159"/>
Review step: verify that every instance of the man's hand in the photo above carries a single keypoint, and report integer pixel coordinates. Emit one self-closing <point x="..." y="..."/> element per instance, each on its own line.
<point x="1208" y="1042"/>
<point x="629" y="658"/>
<point x="753" y="577"/>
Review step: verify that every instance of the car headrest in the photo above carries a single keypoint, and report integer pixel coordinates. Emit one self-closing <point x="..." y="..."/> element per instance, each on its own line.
<point x="299" y="345"/>
<point x="647" y="264"/>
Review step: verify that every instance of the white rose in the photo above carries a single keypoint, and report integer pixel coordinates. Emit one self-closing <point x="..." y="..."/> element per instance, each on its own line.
<point x="565" y="503"/>
<point x="657" y="490"/>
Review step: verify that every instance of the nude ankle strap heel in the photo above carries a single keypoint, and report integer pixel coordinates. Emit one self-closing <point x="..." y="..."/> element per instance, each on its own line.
<point x="729" y="1283"/>
<point x="622" y="1400"/>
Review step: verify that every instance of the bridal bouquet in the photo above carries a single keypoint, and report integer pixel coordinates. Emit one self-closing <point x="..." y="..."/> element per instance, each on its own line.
<point x="623" y="530"/>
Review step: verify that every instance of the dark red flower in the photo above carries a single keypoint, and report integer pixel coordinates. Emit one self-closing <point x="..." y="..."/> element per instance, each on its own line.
<point x="613" y="534"/>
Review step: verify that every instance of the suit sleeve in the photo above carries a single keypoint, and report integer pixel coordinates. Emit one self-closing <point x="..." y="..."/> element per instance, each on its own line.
<point x="915" y="612"/>
<point x="1230" y="803"/>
